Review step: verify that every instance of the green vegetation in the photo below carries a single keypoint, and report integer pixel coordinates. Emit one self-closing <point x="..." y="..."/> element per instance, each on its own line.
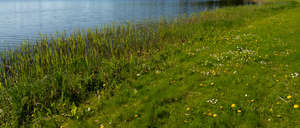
<point x="233" y="67"/>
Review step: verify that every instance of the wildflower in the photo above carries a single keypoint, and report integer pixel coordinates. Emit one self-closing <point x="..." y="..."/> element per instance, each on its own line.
<point x="277" y="102"/>
<point x="277" y="80"/>
<point x="233" y="105"/>
<point x="286" y="76"/>
<point x="212" y="83"/>
<point x="201" y="85"/>
<point x="136" y="115"/>
<point x="188" y="108"/>
<point x="212" y="101"/>
<point x="271" y="110"/>
<point x="289" y="97"/>
<point x="239" y="111"/>
<point x="101" y="126"/>
<point x="279" y="116"/>
<point x="221" y="107"/>
<point x="252" y="100"/>
<point x="138" y="74"/>
<point x="209" y="114"/>
<point x="215" y="115"/>
<point x="296" y="106"/>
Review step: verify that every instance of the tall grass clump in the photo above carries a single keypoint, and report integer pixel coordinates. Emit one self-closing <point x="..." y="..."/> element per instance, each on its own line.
<point x="58" y="72"/>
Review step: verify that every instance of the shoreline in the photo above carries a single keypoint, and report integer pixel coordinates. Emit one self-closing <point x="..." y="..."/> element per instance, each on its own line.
<point x="217" y="68"/>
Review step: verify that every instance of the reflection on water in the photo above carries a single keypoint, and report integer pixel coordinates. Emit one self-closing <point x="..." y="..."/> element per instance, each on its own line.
<point x="24" y="19"/>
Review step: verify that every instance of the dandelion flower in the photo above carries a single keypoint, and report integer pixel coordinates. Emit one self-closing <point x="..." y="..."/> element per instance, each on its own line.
<point x="277" y="102"/>
<point x="188" y="108"/>
<point x="239" y="111"/>
<point x="221" y="107"/>
<point x="271" y="110"/>
<point x="252" y="100"/>
<point x="278" y="116"/>
<point x="296" y="106"/>
<point x="209" y="114"/>
<point x="289" y="97"/>
<point x="212" y="83"/>
<point x="136" y="115"/>
<point x="215" y="115"/>
<point x="233" y="105"/>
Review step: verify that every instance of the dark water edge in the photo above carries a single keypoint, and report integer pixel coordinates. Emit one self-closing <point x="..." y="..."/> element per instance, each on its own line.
<point x="24" y="19"/>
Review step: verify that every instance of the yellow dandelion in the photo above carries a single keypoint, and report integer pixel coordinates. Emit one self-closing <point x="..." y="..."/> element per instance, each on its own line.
<point x="188" y="108"/>
<point x="277" y="80"/>
<point x="289" y="97"/>
<point x="296" y="106"/>
<point x="212" y="83"/>
<point x="271" y="110"/>
<point x="239" y="111"/>
<point x="215" y="115"/>
<point x="209" y="114"/>
<point x="101" y="126"/>
<point x="201" y="85"/>
<point x="278" y="116"/>
<point x="252" y="100"/>
<point x="233" y="105"/>
<point x="277" y="102"/>
<point x="136" y="115"/>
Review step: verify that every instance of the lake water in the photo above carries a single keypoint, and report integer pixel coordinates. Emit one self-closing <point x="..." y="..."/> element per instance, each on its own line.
<point x="25" y="19"/>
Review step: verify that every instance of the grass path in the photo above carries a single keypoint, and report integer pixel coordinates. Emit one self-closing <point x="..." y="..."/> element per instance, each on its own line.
<point x="244" y="77"/>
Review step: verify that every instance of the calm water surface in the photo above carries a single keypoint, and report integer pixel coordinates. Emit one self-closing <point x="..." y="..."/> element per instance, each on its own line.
<point x="25" y="19"/>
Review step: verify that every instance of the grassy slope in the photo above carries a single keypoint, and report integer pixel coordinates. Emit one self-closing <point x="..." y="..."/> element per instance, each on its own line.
<point x="185" y="74"/>
<point x="250" y="65"/>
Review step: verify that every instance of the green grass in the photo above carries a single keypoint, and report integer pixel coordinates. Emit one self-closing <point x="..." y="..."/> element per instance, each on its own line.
<point x="186" y="72"/>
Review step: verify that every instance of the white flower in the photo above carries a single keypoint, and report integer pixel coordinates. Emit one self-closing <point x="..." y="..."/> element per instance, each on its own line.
<point x="212" y="101"/>
<point x="294" y="75"/>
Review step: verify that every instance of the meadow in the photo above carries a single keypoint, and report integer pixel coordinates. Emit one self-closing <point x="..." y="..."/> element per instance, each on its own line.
<point x="232" y="67"/>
